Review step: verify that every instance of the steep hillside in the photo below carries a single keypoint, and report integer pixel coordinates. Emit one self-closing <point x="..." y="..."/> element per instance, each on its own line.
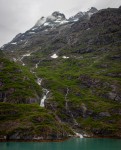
<point x="17" y="83"/>
<point x="79" y="63"/>
<point x="30" y="122"/>
<point x="26" y="121"/>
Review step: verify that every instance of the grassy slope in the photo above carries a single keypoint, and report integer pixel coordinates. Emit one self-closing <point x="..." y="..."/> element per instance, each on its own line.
<point x="24" y="120"/>
<point x="28" y="121"/>
<point x="88" y="78"/>
<point x="17" y="83"/>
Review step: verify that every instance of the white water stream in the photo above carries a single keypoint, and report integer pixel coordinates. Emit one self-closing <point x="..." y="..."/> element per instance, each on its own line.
<point x="36" y="66"/>
<point x="42" y="103"/>
<point x="45" y="92"/>
<point x="39" y="80"/>
<point x="78" y="135"/>
<point x="67" y="108"/>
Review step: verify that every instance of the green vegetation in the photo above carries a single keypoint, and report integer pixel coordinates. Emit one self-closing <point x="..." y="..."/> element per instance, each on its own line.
<point x="17" y="83"/>
<point x="29" y="119"/>
<point x="90" y="77"/>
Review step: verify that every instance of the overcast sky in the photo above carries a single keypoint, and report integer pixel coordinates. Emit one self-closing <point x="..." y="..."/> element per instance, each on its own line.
<point x="17" y="16"/>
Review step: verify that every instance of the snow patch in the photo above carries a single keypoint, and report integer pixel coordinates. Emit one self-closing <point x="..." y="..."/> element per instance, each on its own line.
<point x="15" y="43"/>
<point x="57" y="21"/>
<point x="27" y="54"/>
<point x="54" y="56"/>
<point x="65" y="57"/>
<point x="88" y="29"/>
<point x="34" y="29"/>
<point x="75" y="20"/>
<point x="64" y="21"/>
<point x="46" y="24"/>
<point x="31" y="32"/>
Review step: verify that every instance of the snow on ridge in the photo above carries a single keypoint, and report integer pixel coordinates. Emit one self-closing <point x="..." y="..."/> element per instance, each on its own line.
<point x="76" y="20"/>
<point x="34" y="29"/>
<point x="31" y="32"/>
<point x="46" y="24"/>
<point x="54" y="56"/>
<point x="64" y="21"/>
<point x="14" y="43"/>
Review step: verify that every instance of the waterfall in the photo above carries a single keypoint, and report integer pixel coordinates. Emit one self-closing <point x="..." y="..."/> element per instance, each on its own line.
<point x="78" y="135"/>
<point x="39" y="81"/>
<point x="67" y="108"/>
<point x="42" y="102"/>
<point x="45" y="92"/>
<point x="66" y="98"/>
<point x="36" y="66"/>
<point x="25" y="55"/>
<point x="54" y="110"/>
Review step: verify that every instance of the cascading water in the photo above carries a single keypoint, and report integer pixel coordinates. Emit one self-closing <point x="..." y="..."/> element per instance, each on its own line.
<point x="45" y="92"/>
<point x="36" y="66"/>
<point x="67" y="108"/>
<point x="78" y="135"/>
<point x="42" y="103"/>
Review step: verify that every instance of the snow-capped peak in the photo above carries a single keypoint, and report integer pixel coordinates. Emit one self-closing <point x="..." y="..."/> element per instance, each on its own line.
<point x="82" y="15"/>
<point x="56" y="18"/>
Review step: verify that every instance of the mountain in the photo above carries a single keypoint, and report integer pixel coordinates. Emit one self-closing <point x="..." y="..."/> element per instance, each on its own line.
<point x="77" y="63"/>
<point x="56" y="18"/>
<point x="83" y="15"/>
<point x="44" y="26"/>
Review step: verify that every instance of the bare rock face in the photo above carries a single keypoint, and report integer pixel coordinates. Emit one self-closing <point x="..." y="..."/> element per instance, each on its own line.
<point x="58" y="15"/>
<point x="104" y="114"/>
<point x="54" y="19"/>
